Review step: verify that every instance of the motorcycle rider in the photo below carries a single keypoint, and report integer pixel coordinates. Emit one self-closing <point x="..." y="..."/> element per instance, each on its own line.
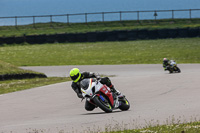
<point x="166" y="63"/>
<point x="77" y="76"/>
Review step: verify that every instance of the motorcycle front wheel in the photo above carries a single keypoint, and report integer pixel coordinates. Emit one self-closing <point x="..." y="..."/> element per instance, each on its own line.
<point x="125" y="105"/>
<point x="178" y="70"/>
<point x="102" y="103"/>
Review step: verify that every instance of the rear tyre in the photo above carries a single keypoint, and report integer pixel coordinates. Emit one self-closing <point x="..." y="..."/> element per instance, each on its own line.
<point x="104" y="105"/>
<point x="125" y="105"/>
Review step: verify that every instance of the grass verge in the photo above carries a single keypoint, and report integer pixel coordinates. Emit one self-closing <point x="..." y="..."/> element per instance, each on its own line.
<point x="12" y="83"/>
<point x="183" y="50"/>
<point x="53" y="28"/>
<point x="17" y="85"/>
<point x="192" y="127"/>
<point x="7" y="68"/>
<point x="9" y="71"/>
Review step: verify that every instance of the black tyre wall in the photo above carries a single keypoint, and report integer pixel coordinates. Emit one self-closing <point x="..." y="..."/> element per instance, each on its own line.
<point x="120" y="35"/>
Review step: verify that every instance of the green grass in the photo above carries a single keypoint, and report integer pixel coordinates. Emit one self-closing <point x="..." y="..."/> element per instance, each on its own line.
<point x="18" y="85"/>
<point x="8" y="86"/>
<point x="47" y="28"/>
<point x="184" y="50"/>
<point x="7" y="68"/>
<point x="192" y="127"/>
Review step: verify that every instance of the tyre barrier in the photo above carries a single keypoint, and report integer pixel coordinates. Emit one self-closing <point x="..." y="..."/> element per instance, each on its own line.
<point x="19" y="40"/>
<point x="193" y="32"/>
<point x="153" y="34"/>
<point x="120" y="35"/>
<point x="50" y="38"/>
<point x="173" y="33"/>
<point x="60" y="38"/>
<point x="40" y="39"/>
<point x="21" y="76"/>
<point x="81" y="37"/>
<point x="71" y="38"/>
<point x="143" y="34"/>
<point x="1" y="40"/>
<point x="199" y="32"/>
<point x="101" y="36"/>
<point x="132" y="34"/>
<point x="182" y="33"/>
<point x="91" y="36"/>
<point x="9" y="40"/>
<point x="163" y="33"/>
<point x="111" y="36"/>
<point x="30" y="39"/>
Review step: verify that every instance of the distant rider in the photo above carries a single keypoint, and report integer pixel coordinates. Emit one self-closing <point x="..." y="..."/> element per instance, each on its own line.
<point x="166" y="63"/>
<point x="77" y="76"/>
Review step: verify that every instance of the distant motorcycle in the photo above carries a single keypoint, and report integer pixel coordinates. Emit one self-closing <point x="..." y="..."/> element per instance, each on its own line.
<point x="173" y="67"/>
<point x="101" y="96"/>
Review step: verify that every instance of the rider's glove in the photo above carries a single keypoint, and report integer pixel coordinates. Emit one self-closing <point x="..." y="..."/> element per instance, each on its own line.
<point x="118" y="92"/>
<point x="98" y="77"/>
<point x="80" y="95"/>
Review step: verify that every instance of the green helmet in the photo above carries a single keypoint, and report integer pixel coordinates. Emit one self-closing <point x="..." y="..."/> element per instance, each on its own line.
<point x="75" y="74"/>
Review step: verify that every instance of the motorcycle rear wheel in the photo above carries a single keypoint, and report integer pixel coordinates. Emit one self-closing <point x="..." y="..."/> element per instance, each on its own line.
<point x="104" y="105"/>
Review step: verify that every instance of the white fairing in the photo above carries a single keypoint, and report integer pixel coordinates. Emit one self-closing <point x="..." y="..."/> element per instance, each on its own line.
<point x="87" y="92"/>
<point x="172" y="63"/>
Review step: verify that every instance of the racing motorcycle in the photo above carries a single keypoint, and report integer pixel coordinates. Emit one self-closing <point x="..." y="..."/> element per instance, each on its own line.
<point x="173" y="67"/>
<point x="101" y="96"/>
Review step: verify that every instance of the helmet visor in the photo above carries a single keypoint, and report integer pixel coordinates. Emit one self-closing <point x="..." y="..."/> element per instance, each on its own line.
<point x="75" y="76"/>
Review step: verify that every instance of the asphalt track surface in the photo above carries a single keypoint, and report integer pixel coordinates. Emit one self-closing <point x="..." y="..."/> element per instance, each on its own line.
<point x="156" y="97"/>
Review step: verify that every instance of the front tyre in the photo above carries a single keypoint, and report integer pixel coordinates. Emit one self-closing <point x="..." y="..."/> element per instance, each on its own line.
<point x="103" y="104"/>
<point x="178" y="70"/>
<point x="125" y="105"/>
<point x="171" y="70"/>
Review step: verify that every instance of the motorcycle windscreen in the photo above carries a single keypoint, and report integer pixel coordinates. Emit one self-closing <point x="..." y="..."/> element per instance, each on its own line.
<point x="85" y="83"/>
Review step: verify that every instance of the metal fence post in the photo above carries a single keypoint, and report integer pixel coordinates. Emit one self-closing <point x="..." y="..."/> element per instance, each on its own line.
<point x="172" y="14"/>
<point x="155" y="15"/>
<point x="120" y="15"/>
<point x="138" y="16"/>
<point x="51" y="20"/>
<point x="102" y="16"/>
<point x="86" y="18"/>
<point x="190" y="14"/>
<point x="33" y="21"/>
<point x="15" y="21"/>
<point x="67" y="18"/>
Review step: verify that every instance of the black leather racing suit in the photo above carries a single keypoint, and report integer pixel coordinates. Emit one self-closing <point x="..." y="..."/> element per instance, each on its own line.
<point x="84" y="75"/>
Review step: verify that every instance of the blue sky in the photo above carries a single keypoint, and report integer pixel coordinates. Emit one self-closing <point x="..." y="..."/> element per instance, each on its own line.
<point x="46" y="7"/>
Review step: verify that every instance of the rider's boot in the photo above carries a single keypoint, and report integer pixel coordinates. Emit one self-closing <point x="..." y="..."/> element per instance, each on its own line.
<point x="118" y="93"/>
